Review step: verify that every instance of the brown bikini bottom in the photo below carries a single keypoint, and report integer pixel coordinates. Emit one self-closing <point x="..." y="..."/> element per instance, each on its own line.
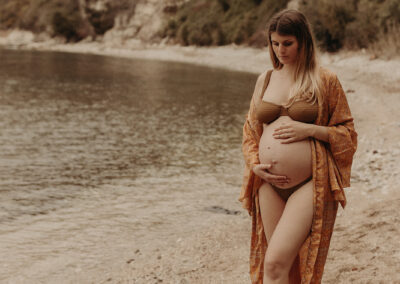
<point x="285" y="193"/>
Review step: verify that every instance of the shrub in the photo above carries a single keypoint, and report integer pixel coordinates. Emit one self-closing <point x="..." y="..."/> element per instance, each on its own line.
<point x="329" y="20"/>
<point x="183" y="34"/>
<point x="103" y="20"/>
<point x="100" y="20"/>
<point x="352" y="24"/>
<point x="218" y="22"/>
<point x="65" y="26"/>
<point x="60" y="17"/>
<point x="387" y="44"/>
<point x="11" y="12"/>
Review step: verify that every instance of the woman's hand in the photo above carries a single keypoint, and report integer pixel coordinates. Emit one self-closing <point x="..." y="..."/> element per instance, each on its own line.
<point x="261" y="170"/>
<point x="291" y="132"/>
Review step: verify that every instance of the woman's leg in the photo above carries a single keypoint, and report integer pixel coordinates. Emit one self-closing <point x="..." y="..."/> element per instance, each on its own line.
<point x="271" y="207"/>
<point x="289" y="234"/>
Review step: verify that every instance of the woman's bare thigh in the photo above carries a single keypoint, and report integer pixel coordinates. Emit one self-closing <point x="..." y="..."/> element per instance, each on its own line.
<point x="271" y="207"/>
<point x="293" y="226"/>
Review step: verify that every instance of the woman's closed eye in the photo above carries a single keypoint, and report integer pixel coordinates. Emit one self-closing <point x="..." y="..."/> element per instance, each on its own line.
<point x="287" y="43"/>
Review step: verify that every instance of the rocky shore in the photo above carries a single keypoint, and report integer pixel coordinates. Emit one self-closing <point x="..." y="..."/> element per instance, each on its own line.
<point x="364" y="247"/>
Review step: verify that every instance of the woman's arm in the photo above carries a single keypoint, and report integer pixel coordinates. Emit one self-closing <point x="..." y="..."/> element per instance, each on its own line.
<point x="250" y="135"/>
<point x="318" y="132"/>
<point x="339" y="133"/>
<point x="295" y="131"/>
<point x="250" y="151"/>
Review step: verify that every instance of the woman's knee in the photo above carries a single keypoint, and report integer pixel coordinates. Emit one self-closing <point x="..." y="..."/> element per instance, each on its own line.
<point x="275" y="268"/>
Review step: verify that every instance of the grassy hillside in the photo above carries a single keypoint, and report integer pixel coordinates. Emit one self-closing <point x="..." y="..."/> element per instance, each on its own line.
<point x="219" y="22"/>
<point x="354" y="24"/>
<point x="60" y="17"/>
<point x="350" y="24"/>
<point x="11" y="12"/>
<point x="57" y="17"/>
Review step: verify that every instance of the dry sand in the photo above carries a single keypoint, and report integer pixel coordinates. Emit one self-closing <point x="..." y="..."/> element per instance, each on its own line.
<point x="364" y="247"/>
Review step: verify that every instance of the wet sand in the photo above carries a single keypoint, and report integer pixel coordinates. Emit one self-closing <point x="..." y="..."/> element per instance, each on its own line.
<point x="364" y="247"/>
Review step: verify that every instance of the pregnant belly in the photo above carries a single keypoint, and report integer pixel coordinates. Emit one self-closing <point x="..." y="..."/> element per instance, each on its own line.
<point x="292" y="160"/>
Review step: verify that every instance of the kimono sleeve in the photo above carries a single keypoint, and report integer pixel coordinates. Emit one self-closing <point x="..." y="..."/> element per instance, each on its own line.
<point x="341" y="133"/>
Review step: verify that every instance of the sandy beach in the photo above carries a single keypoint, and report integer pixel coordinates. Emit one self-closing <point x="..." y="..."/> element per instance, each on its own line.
<point x="363" y="248"/>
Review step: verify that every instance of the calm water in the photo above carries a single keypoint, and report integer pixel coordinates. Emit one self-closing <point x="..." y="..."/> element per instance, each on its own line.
<point x="101" y="156"/>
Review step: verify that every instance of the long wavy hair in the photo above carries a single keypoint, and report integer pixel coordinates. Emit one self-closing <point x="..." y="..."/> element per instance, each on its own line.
<point x="307" y="84"/>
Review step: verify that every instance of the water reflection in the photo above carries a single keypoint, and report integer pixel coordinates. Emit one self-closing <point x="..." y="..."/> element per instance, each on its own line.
<point x="80" y="133"/>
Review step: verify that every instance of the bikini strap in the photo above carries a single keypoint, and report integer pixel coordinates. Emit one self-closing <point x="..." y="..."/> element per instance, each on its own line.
<point x="266" y="81"/>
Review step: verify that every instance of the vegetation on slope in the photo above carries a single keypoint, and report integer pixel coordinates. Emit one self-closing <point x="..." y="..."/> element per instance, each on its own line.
<point x="219" y="22"/>
<point x="353" y="24"/>
<point x="350" y="24"/>
<point x="60" y="17"/>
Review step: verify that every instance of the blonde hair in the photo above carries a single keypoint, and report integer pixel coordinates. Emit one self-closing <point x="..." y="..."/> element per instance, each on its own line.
<point x="307" y="80"/>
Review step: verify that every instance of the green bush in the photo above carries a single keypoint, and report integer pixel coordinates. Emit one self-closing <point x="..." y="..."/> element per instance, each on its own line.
<point x="329" y="20"/>
<point x="60" y="16"/>
<point x="103" y="20"/>
<point x="352" y="24"/>
<point x="218" y="22"/>
<point x="387" y="44"/>
<point x="11" y="12"/>
<point x="100" y="20"/>
<point x="66" y="26"/>
<point x="183" y="34"/>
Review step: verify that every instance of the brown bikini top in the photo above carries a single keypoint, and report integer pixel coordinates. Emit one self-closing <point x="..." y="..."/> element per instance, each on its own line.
<point x="267" y="112"/>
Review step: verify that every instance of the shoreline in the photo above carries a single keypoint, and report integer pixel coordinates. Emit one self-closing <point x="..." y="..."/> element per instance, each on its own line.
<point x="214" y="57"/>
<point x="228" y="57"/>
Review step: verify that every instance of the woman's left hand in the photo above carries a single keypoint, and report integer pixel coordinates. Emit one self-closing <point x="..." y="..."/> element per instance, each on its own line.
<point x="291" y="132"/>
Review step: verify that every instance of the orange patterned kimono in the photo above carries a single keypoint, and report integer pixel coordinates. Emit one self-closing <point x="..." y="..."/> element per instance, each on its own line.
<point x="331" y="166"/>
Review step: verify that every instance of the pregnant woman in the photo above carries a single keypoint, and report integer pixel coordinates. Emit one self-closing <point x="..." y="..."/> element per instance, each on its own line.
<point x="298" y="143"/>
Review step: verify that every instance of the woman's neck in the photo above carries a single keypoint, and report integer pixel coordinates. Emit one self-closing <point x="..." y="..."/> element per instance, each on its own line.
<point x="288" y="70"/>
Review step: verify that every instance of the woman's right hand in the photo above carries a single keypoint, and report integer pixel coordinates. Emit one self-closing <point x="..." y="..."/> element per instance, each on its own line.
<point x="261" y="170"/>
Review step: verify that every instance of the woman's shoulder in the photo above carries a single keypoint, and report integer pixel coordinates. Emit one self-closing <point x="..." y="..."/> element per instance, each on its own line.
<point x="331" y="84"/>
<point x="262" y="76"/>
<point x="261" y="79"/>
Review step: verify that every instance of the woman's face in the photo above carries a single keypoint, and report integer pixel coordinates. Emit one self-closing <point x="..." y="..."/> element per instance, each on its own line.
<point x="285" y="48"/>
